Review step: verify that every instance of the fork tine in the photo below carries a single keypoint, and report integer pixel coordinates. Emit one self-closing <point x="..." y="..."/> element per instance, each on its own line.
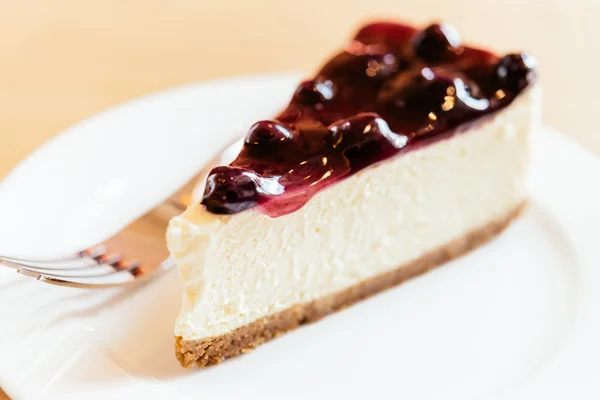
<point x="56" y="265"/>
<point x="115" y="278"/>
<point x="87" y="270"/>
<point x="83" y="259"/>
<point x="91" y="270"/>
<point x="94" y="252"/>
<point x="97" y="269"/>
<point x="109" y="279"/>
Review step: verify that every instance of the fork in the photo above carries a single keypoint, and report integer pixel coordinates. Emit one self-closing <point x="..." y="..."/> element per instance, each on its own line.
<point x="136" y="253"/>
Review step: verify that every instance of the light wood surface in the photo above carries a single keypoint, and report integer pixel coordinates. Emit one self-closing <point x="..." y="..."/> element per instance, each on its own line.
<point x="64" y="60"/>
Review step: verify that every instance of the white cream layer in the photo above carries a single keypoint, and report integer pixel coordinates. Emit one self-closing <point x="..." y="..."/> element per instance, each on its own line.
<point x="239" y="268"/>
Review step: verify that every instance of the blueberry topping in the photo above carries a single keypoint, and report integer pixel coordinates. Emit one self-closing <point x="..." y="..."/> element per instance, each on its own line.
<point x="361" y="129"/>
<point x="314" y="92"/>
<point x="516" y="71"/>
<point x="437" y="43"/>
<point x="230" y="190"/>
<point x="393" y="89"/>
<point x="264" y="132"/>
<point x="370" y="65"/>
<point x="389" y="33"/>
<point x="433" y="100"/>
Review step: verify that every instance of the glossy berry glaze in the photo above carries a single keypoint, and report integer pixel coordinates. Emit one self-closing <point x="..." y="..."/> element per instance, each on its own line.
<point x="393" y="89"/>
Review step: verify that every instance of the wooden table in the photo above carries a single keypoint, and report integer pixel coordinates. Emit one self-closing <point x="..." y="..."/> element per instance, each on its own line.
<point x="65" y="60"/>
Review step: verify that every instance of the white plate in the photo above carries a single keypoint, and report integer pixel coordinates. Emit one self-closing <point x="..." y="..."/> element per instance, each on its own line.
<point x="517" y="319"/>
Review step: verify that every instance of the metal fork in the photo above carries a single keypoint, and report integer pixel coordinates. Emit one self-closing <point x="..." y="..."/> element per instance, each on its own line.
<point x="138" y="252"/>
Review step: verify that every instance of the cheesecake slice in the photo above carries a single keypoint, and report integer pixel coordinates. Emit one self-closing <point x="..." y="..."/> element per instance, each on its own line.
<point x="406" y="150"/>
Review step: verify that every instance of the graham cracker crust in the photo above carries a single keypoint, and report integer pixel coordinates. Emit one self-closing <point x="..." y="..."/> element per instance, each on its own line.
<point x="211" y="351"/>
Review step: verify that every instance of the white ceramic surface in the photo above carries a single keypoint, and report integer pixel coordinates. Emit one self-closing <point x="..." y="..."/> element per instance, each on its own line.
<point x="516" y="319"/>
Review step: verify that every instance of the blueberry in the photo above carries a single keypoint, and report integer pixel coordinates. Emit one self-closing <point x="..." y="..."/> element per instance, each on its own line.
<point x="382" y="66"/>
<point x="516" y="71"/>
<point x="390" y="33"/>
<point x="409" y="79"/>
<point x="362" y="63"/>
<point x="267" y="132"/>
<point x="361" y="129"/>
<point x="314" y="92"/>
<point x="437" y="42"/>
<point x="433" y="90"/>
<point x="230" y="190"/>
